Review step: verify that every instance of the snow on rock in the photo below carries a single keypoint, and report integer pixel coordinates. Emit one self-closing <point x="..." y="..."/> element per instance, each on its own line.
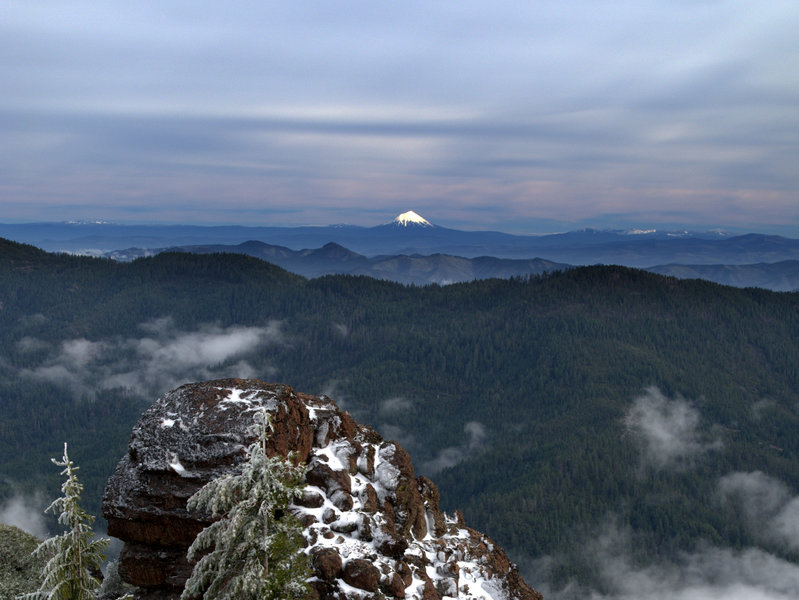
<point x="177" y="467"/>
<point x="372" y="527"/>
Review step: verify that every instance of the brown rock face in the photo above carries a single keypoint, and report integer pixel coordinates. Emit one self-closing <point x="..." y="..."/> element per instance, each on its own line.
<point x="371" y="525"/>
<point x="327" y="563"/>
<point x="362" y="574"/>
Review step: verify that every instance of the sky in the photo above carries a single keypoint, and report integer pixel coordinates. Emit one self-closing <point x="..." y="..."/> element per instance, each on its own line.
<point x="520" y="117"/>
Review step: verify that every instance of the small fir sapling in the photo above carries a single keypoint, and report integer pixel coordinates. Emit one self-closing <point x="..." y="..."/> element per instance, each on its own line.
<point x="254" y="549"/>
<point x="76" y="554"/>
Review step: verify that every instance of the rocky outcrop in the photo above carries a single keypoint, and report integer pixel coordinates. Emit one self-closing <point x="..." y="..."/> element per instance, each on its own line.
<point x="372" y="527"/>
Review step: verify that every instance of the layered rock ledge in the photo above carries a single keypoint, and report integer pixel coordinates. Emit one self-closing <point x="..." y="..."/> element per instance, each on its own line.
<point x="372" y="528"/>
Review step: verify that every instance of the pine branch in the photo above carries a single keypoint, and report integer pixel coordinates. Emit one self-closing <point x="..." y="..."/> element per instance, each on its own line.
<point x="250" y="549"/>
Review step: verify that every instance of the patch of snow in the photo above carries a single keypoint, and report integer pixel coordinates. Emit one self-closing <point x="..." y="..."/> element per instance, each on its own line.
<point x="415" y="589"/>
<point x="431" y="524"/>
<point x="386" y="474"/>
<point x="321" y="433"/>
<point x="487" y="589"/>
<point x="247" y="399"/>
<point x="362" y="463"/>
<point x="378" y="535"/>
<point x="177" y="467"/>
<point x="343" y="451"/>
<point x="412" y="217"/>
<point x="357" y="534"/>
<point x="351" y="591"/>
<point x="167" y="423"/>
<point x="358" y="485"/>
<point x="346" y="519"/>
<point x="333" y="460"/>
<point x="237" y="397"/>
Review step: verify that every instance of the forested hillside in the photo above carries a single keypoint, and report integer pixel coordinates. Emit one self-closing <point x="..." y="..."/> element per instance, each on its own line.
<point x="543" y="407"/>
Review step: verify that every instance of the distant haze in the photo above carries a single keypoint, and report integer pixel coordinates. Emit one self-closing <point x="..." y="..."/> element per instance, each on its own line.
<point x="524" y="118"/>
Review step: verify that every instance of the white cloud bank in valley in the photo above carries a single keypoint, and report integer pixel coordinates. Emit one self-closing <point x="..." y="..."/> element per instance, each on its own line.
<point x="709" y="573"/>
<point x="162" y="359"/>
<point x="25" y="512"/>
<point x="768" y="508"/>
<point x="668" y="429"/>
<point x="670" y="435"/>
<point x="473" y="441"/>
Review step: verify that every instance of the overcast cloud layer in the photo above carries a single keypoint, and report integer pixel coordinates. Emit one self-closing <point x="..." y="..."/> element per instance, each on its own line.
<point x="522" y="117"/>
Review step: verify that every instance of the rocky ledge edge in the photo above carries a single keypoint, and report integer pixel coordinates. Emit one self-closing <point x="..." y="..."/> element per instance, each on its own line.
<point x="372" y="528"/>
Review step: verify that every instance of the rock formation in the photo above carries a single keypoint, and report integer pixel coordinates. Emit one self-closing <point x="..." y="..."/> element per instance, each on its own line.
<point x="373" y="529"/>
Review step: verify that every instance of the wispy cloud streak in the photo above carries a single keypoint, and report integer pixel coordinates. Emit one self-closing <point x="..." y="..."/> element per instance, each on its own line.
<point x="147" y="365"/>
<point x="25" y="512"/>
<point x="767" y="506"/>
<point x="709" y="573"/>
<point x="668" y="430"/>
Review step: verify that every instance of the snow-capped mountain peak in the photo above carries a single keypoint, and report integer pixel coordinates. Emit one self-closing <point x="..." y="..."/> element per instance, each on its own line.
<point x="411" y="218"/>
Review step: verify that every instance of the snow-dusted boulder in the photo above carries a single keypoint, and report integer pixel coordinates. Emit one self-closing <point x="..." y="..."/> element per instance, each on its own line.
<point x="372" y="527"/>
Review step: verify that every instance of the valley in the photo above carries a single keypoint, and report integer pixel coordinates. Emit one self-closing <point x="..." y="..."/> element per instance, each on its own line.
<point x="596" y="403"/>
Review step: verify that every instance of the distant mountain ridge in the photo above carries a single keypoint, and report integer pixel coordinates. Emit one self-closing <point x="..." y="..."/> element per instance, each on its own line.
<point x="412" y="250"/>
<point x="333" y="259"/>
<point x="408" y="233"/>
<point x="781" y="276"/>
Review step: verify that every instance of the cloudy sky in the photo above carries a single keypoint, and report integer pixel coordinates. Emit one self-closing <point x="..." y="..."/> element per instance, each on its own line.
<point x="523" y="117"/>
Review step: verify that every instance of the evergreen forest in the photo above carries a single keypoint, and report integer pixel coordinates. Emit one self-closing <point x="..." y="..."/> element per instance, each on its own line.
<point x="543" y="407"/>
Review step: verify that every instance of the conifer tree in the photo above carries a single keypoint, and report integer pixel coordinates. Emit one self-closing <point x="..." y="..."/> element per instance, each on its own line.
<point x="256" y="544"/>
<point x="73" y="556"/>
